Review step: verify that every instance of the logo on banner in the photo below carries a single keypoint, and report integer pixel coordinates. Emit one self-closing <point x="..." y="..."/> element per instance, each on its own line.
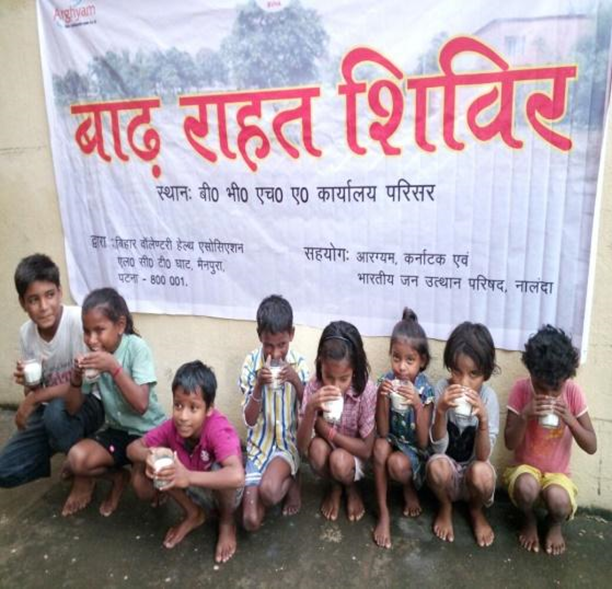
<point x="76" y="15"/>
<point x="272" y="5"/>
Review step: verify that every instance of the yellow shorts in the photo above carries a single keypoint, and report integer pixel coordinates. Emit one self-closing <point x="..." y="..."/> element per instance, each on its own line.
<point x="544" y="479"/>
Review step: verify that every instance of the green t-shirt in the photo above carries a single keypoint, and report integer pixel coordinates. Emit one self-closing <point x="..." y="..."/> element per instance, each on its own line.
<point x="136" y="358"/>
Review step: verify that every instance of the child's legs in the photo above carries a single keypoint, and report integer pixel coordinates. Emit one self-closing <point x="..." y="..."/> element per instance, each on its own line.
<point x="400" y="468"/>
<point x="342" y="466"/>
<point x="88" y="458"/>
<point x="26" y="456"/>
<point x="480" y="483"/>
<point x="65" y="430"/>
<point x="558" y="502"/>
<point x="382" y="451"/>
<point x="193" y="518"/>
<point x="142" y="484"/>
<point x="252" y="507"/>
<point x="275" y="481"/>
<point x="318" y="456"/>
<point x="441" y="478"/>
<point x="525" y="491"/>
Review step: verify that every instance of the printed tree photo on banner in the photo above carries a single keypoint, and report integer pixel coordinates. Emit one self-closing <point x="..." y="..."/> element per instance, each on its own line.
<point x="355" y="157"/>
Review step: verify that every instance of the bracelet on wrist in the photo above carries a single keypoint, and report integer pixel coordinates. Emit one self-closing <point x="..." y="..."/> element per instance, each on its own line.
<point x="75" y="385"/>
<point x="331" y="434"/>
<point x="258" y="401"/>
<point x="116" y="372"/>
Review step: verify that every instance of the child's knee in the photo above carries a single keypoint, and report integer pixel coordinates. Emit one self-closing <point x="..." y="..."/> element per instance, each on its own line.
<point x="399" y="466"/>
<point x="557" y="501"/>
<point x="481" y="477"/>
<point x="251" y="519"/>
<point x="341" y="465"/>
<point x="270" y="491"/>
<point x="318" y="453"/>
<point x="381" y="451"/>
<point x="77" y="459"/>
<point x="439" y="473"/>
<point x="526" y="489"/>
<point x="142" y="484"/>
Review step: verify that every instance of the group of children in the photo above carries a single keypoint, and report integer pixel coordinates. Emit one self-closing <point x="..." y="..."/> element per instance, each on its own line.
<point x="97" y="403"/>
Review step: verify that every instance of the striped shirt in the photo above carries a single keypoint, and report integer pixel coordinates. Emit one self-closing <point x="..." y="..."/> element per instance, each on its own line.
<point x="276" y="426"/>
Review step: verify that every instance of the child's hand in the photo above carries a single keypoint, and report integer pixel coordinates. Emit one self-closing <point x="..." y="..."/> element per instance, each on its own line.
<point x="18" y="376"/>
<point x="25" y="410"/>
<point x="175" y="476"/>
<point x="150" y="464"/>
<point x="543" y="405"/>
<point x="385" y="388"/>
<point x="562" y="410"/>
<point x="264" y="376"/>
<point x="409" y="392"/>
<point x="475" y="400"/>
<point x="288" y="374"/>
<point x="322" y="396"/>
<point x="76" y="377"/>
<point x="449" y="397"/>
<point x="101" y="361"/>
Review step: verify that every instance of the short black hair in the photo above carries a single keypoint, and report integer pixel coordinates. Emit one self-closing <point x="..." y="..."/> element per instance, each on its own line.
<point x="195" y="377"/>
<point x="341" y="340"/>
<point x="550" y="356"/>
<point x="475" y="341"/>
<point x="274" y="315"/>
<point x="112" y="305"/>
<point x="33" y="268"/>
<point x="409" y="328"/>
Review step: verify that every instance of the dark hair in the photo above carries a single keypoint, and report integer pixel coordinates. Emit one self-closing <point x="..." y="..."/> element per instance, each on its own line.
<point x="340" y="340"/>
<point x="33" y="268"/>
<point x="112" y="305"/>
<point x="274" y="315"/>
<point x="408" y="327"/>
<point x="475" y="341"/>
<point x="550" y="356"/>
<point x="195" y="377"/>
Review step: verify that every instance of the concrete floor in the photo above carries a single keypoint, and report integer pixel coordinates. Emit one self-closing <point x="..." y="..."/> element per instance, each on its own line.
<point x="40" y="548"/>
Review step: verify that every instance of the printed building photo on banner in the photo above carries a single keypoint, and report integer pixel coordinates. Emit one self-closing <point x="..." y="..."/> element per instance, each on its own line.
<point x="354" y="156"/>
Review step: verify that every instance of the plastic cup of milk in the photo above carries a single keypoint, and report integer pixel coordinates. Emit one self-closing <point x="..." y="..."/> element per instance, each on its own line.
<point x="32" y="372"/>
<point x="550" y="420"/>
<point x="463" y="408"/>
<point x="333" y="410"/>
<point x="163" y="458"/>
<point x="399" y="403"/>
<point x="91" y="375"/>
<point x="276" y="366"/>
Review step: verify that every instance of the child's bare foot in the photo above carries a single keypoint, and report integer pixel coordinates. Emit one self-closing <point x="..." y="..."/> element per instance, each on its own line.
<point x="412" y="507"/>
<point x="354" y="504"/>
<point x="226" y="544"/>
<point x="331" y="503"/>
<point x="382" y="531"/>
<point x="443" y="524"/>
<point x="194" y="519"/>
<point x="555" y="542"/>
<point x="66" y="472"/>
<point x="120" y="478"/>
<point x="80" y="495"/>
<point x="293" y="499"/>
<point x="528" y="536"/>
<point x="483" y="531"/>
<point x="159" y="499"/>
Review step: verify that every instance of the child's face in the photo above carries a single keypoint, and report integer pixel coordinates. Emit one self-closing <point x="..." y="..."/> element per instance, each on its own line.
<point x="337" y="373"/>
<point x="42" y="302"/>
<point x="406" y="362"/>
<point x="276" y="345"/>
<point x="100" y="333"/>
<point x="189" y="412"/>
<point x="466" y="373"/>
<point x="545" y="390"/>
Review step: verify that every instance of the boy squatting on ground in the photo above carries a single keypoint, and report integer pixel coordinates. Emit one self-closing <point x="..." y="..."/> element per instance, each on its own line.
<point x="270" y="414"/>
<point x="207" y="458"/>
<point x="54" y="336"/>
<point x="541" y="475"/>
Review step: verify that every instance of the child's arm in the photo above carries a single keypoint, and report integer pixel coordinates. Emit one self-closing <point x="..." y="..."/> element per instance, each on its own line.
<point x="382" y="408"/>
<point x="423" y="421"/>
<point x="74" y="397"/>
<point x="581" y="427"/>
<point x="137" y="451"/>
<point x="314" y="406"/>
<point x="362" y="448"/>
<point x="229" y="476"/>
<point x="136" y="395"/>
<point x="514" y="432"/>
<point x="252" y="409"/>
<point x="482" y="443"/>
<point x="445" y="402"/>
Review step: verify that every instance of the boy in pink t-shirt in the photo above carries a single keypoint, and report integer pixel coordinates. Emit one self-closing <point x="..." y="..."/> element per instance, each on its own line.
<point x="546" y="412"/>
<point x="207" y="457"/>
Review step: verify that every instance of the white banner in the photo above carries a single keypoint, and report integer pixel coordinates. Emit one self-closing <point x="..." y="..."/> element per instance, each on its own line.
<point x="356" y="157"/>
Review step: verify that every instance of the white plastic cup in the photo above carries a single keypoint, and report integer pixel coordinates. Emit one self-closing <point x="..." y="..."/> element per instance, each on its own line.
<point x="463" y="407"/>
<point x="399" y="403"/>
<point x="163" y="459"/>
<point x="550" y="420"/>
<point x="32" y="372"/>
<point x="276" y="367"/>
<point x="91" y="375"/>
<point x="333" y="409"/>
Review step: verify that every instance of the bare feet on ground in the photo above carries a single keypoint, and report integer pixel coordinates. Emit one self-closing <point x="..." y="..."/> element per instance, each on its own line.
<point x="80" y="495"/>
<point x="119" y="478"/>
<point x="555" y="542"/>
<point x="354" y="504"/>
<point x="443" y="524"/>
<point x="412" y="507"/>
<point x="293" y="499"/>
<point x="382" y="531"/>
<point x="331" y="503"/>
<point x="528" y="536"/>
<point x="194" y="519"/>
<point x="66" y="472"/>
<point x="226" y="544"/>
<point x="483" y="531"/>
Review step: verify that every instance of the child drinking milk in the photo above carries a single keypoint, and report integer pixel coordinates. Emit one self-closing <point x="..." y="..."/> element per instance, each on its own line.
<point x="463" y="433"/>
<point x="546" y="412"/>
<point x="336" y="430"/>
<point x="403" y="417"/>
<point x="121" y="363"/>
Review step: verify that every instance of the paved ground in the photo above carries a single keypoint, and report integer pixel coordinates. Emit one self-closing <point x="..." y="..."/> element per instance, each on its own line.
<point x="40" y="548"/>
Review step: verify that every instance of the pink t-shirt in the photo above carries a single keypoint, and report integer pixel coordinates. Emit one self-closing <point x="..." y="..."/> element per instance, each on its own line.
<point x="218" y="441"/>
<point x="546" y="449"/>
<point x="358" y="415"/>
